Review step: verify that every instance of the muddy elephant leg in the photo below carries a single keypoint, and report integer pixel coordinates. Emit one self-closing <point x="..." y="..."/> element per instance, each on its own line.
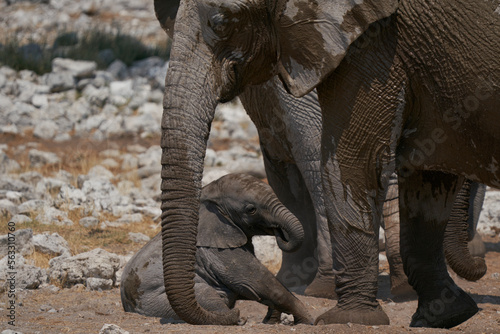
<point x="399" y="282"/>
<point x="298" y="268"/>
<point x="426" y="200"/>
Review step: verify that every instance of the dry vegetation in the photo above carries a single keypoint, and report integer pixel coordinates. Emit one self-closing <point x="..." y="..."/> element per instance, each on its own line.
<point x="77" y="157"/>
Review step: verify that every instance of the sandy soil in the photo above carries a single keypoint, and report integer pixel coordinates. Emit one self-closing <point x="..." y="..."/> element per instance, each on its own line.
<point x="79" y="311"/>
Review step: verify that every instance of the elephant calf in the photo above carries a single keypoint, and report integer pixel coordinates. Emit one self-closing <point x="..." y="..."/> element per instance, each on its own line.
<point x="233" y="209"/>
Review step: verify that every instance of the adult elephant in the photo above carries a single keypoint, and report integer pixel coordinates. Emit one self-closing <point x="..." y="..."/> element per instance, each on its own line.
<point x="233" y="209"/>
<point x="290" y="137"/>
<point x="389" y="81"/>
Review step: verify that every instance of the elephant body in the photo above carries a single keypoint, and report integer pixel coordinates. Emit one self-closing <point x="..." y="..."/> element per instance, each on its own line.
<point x="405" y="86"/>
<point x="290" y="134"/>
<point x="226" y="267"/>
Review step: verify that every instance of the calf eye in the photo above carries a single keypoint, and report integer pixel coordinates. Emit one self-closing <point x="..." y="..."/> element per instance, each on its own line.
<point x="250" y="209"/>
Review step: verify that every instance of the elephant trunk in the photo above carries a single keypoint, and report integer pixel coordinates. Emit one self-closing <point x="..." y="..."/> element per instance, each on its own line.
<point x="456" y="237"/>
<point x="189" y="104"/>
<point x="293" y="235"/>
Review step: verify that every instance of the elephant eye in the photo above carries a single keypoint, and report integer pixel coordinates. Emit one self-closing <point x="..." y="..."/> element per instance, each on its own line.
<point x="217" y="23"/>
<point x="250" y="209"/>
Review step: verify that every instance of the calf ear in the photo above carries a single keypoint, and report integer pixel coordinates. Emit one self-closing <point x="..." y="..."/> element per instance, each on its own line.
<point x="166" y="10"/>
<point x="314" y="36"/>
<point x="216" y="230"/>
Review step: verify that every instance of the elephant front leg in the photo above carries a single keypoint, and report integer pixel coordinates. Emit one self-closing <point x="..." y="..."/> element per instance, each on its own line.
<point x="426" y="200"/>
<point x="354" y="223"/>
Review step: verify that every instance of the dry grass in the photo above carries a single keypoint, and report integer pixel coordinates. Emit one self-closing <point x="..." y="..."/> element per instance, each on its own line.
<point x="78" y="156"/>
<point x="82" y="239"/>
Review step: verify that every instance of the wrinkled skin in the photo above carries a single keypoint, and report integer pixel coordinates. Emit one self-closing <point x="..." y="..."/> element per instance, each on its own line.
<point x="233" y="210"/>
<point x="400" y="95"/>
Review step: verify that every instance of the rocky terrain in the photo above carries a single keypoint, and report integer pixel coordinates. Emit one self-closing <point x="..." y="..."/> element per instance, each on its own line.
<point x="80" y="156"/>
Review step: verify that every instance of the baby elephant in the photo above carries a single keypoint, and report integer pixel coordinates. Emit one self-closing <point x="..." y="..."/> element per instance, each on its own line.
<point x="233" y="209"/>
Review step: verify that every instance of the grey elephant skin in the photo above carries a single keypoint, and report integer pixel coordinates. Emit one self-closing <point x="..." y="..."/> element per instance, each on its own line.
<point x="233" y="209"/>
<point x="396" y="94"/>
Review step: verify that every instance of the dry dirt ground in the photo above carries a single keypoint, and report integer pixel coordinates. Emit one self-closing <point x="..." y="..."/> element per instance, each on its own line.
<point x="79" y="311"/>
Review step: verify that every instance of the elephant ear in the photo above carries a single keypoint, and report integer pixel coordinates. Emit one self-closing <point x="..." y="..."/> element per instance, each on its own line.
<point x="166" y="10"/>
<point x="215" y="230"/>
<point x="314" y="36"/>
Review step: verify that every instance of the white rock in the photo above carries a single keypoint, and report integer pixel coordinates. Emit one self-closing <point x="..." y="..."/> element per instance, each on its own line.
<point x="7" y="207"/>
<point x="112" y="329"/>
<point x="78" y="68"/>
<point x="138" y="237"/>
<point x="21" y="219"/>
<point x="76" y="269"/>
<point x="27" y="276"/>
<point x="53" y="216"/>
<point x="71" y="196"/>
<point x="21" y="239"/>
<point x="59" y="82"/>
<point x="51" y="244"/>
<point x="489" y="220"/>
<point x="39" y="158"/>
<point x="32" y="206"/>
<point x="122" y="88"/>
<point x="40" y="100"/>
<point x="46" y="129"/>
<point x="99" y="171"/>
<point x="96" y="96"/>
<point x="110" y="163"/>
<point x="8" y="165"/>
<point x="152" y="157"/>
<point x="50" y="185"/>
<point x="130" y="218"/>
<point x="95" y="284"/>
<point x="267" y="251"/>
<point x="89" y="222"/>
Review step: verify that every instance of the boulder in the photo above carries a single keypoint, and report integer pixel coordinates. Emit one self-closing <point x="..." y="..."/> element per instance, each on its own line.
<point x="97" y="263"/>
<point x="51" y="244"/>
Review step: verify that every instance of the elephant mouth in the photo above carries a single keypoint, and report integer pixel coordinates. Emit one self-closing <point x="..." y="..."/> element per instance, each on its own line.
<point x="281" y="235"/>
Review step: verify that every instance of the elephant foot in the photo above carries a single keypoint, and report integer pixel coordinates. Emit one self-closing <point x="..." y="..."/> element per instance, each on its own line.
<point x="476" y="246"/>
<point x="273" y="317"/>
<point x="453" y="307"/>
<point x="402" y="289"/>
<point x="323" y="286"/>
<point x="370" y="317"/>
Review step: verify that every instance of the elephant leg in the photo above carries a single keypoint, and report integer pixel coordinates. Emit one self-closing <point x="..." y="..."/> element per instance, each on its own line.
<point x="399" y="282"/>
<point x="248" y="279"/>
<point x="298" y="268"/>
<point x="426" y="200"/>
<point x="323" y="285"/>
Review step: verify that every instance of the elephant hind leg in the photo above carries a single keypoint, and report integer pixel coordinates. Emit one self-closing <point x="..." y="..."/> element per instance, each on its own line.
<point x="399" y="282"/>
<point x="426" y="199"/>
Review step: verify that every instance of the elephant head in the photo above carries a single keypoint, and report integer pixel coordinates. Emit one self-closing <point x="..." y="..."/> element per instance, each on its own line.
<point x="237" y="207"/>
<point x="219" y="47"/>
